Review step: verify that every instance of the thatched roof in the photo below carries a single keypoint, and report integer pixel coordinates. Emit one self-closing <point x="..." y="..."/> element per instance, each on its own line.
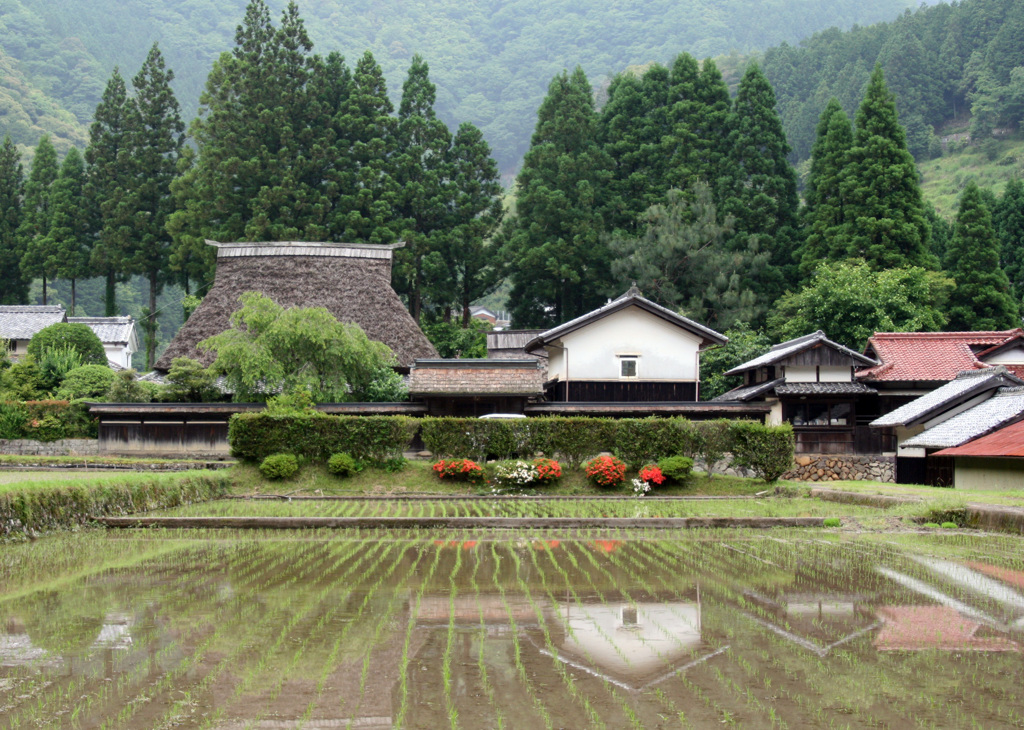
<point x="477" y="377"/>
<point x="352" y="281"/>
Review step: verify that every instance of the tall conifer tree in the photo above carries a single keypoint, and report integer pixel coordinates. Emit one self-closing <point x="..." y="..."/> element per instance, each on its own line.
<point x="157" y="140"/>
<point x="1008" y="218"/>
<point x="559" y="263"/>
<point x="13" y="287"/>
<point x="982" y="298"/>
<point x="110" y="178"/>
<point x="40" y="258"/>
<point x="884" y="220"/>
<point x="823" y="216"/>
<point x="71" y="224"/>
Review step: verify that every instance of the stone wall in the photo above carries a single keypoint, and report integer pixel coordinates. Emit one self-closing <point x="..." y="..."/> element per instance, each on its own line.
<point x="833" y="467"/>
<point x="64" y="447"/>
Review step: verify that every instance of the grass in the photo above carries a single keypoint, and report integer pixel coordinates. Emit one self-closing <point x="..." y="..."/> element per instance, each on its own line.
<point x="20" y="460"/>
<point x="943" y="179"/>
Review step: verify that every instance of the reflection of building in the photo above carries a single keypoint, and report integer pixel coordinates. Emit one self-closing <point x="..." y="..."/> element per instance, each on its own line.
<point x="939" y="628"/>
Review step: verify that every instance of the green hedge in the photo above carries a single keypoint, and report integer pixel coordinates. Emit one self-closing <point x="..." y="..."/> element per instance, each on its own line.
<point x="46" y="420"/>
<point x="37" y="507"/>
<point x="765" y="450"/>
<point x="373" y="439"/>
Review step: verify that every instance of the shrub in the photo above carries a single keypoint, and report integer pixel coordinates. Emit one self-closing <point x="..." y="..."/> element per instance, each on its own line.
<point x="766" y="450"/>
<point x="462" y="470"/>
<point x="189" y="382"/>
<point x="12" y="420"/>
<point x="316" y="436"/>
<point x="931" y="524"/>
<point x="548" y="470"/>
<point x="574" y="440"/>
<point x="950" y="525"/>
<point x="77" y="336"/>
<point x="341" y="465"/>
<point x="606" y="471"/>
<point x="677" y="469"/>
<point x="708" y="442"/>
<point x="832" y="522"/>
<point x="652" y="475"/>
<point x="87" y="381"/>
<point x="279" y="466"/>
<point x="446" y="437"/>
<point x="640" y="441"/>
<point x="55" y="363"/>
<point x="527" y="473"/>
<point x="126" y="388"/>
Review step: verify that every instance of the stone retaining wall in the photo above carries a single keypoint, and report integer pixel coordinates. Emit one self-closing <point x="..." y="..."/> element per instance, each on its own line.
<point x="833" y="467"/>
<point x="64" y="447"/>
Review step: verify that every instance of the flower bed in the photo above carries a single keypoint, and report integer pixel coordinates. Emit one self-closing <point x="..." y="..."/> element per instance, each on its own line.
<point x="606" y="471"/>
<point x="462" y="470"/>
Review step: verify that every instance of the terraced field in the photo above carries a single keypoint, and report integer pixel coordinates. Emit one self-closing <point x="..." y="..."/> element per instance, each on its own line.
<point x="486" y="629"/>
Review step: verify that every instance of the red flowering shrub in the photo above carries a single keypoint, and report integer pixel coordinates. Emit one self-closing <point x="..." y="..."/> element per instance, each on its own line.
<point x="462" y="470"/>
<point x="548" y="470"/>
<point x="606" y="471"/>
<point x="652" y="474"/>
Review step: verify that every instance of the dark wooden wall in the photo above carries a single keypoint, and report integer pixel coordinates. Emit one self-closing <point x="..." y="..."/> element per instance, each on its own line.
<point x="632" y="391"/>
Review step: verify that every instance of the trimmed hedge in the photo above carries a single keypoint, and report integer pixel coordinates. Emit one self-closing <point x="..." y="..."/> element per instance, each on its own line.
<point x="765" y="450"/>
<point x="46" y="420"/>
<point x="316" y="436"/>
<point x="279" y="466"/>
<point x="36" y="508"/>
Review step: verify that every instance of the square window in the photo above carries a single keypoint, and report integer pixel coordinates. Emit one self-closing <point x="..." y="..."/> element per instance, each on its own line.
<point x="627" y="367"/>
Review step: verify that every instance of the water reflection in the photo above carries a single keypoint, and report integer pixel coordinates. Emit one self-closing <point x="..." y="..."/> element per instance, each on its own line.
<point x="480" y="631"/>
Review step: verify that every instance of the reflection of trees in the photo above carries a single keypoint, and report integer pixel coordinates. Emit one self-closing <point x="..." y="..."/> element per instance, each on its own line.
<point x="67" y="621"/>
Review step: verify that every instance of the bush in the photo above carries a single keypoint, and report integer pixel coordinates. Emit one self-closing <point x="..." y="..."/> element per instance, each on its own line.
<point x="677" y="469"/>
<point x="651" y="474"/>
<point x="12" y="420"/>
<point x="832" y="522"/>
<point x="189" y="382"/>
<point x="55" y="363"/>
<point x="87" y="381"/>
<point x="575" y="440"/>
<point x="341" y="465"/>
<point x="126" y="388"/>
<point x="460" y="470"/>
<point x="376" y="440"/>
<point x="21" y="381"/>
<point x="708" y="442"/>
<point x="527" y="473"/>
<point x="766" y="450"/>
<point x="279" y="466"/>
<point x="76" y="336"/>
<point x="640" y="441"/>
<point x="548" y="470"/>
<point x="606" y="471"/>
<point x="950" y="525"/>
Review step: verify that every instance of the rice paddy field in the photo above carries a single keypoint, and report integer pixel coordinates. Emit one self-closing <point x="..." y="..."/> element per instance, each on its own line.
<point x="486" y="629"/>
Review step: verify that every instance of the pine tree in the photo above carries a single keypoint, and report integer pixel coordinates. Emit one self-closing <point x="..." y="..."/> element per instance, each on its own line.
<point x="823" y="215"/>
<point x="111" y="176"/>
<point x="885" y="222"/>
<point x="157" y="140"/>
<point x="1008" y="218"/>
<point x="763" y="197"/>
<point x="71" y="227"/>
<point x="12" y="184"/>
<point x="365" y="177"/>
<point x="558" y="262"/>
<point x="40" y="258"/>
<point x="422" y="175"/>
<point x="982" y="298"/>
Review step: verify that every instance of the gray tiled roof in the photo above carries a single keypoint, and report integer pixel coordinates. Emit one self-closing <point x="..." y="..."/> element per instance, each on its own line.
<point x="748" y="392"/>
<point x="110" y="330"/>
<point x="784" y="349"/>
<point x="22" y="322"/>
<point x="1005" y="406"/>
<point x="966" y="385"/>
<point x="824" y="389"/>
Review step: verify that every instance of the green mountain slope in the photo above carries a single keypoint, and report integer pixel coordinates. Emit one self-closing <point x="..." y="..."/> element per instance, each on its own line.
<point x="491" y="60"/>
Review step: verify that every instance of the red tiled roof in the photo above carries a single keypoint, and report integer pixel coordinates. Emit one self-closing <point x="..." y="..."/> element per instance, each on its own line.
<point x="917" y="628"/>
<point x="937" y="356"/>
<point x="1007" y="441"/>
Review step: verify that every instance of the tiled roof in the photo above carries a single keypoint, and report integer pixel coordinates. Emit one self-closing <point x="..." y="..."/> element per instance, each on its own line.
<point x="784" y="349"/>
<point x="22" y="322"/>
<point x="965" y="386"/>
<point x="824" y="389"/>
<point x="909" y="356"/>
<point x="110" y="330"/>
<point x="748" y="392"/>
<point x="1007" y="441"/>
<point x="1005" y="406"/>
<point x="476" y="377"/>
<point x="631" y="298"/>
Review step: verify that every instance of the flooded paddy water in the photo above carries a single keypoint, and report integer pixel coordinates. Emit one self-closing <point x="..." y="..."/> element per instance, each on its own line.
<point x="482" y="629"/>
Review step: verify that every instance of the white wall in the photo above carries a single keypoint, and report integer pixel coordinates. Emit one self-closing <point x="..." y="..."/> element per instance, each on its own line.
<point x="824" y="374"/>
<point x="666" y="352"/>
<point x="121" y="354"/>
<point x="1013" y="356"/>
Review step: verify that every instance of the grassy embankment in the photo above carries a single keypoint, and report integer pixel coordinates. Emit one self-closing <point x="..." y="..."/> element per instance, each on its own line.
<point x="944" y="178"/>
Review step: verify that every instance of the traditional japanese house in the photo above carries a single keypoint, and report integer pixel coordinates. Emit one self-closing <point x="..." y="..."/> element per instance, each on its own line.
<point x="476" y="387"/>
<point x="352" y="281"/>
<point x="19" y="324"/>
<point x="995" y="461"/>
<point x="119" y="336"/>
<point x="809" y="382"/>
<point x="630" y="350"/>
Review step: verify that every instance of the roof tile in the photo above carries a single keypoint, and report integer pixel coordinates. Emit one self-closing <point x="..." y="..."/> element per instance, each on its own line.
<point x="909" y="356"/>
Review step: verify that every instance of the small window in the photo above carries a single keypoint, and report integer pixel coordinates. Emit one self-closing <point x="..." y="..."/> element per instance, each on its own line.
<point x="627" y="367"/>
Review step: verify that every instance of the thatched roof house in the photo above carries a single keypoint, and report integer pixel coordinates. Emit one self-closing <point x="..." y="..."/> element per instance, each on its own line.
<point x="352" y="281"/>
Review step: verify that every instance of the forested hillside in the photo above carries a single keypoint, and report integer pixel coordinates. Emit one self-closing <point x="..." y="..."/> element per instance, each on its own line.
<point x="943" y="62"/>
<point x="491" y="61"/>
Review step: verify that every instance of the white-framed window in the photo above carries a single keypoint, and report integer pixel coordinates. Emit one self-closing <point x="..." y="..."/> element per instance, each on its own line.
<point x="629" y="366"/>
